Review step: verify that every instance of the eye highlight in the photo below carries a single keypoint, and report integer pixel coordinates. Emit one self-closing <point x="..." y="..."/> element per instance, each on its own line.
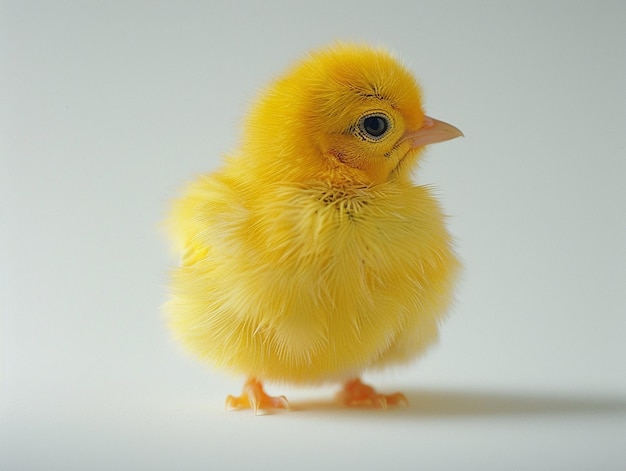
<point x="374" y="126"/>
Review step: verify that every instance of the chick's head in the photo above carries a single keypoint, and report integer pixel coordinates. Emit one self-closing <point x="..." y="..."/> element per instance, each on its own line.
<point x="348" y="112"/>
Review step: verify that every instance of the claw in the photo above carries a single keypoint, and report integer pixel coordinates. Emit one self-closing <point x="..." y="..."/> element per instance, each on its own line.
<point x="254" y="397"/>
<point x="358" y="394"/>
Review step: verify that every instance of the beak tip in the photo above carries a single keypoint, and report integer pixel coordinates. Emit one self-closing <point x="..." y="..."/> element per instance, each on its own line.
<point x="453" y="130"/>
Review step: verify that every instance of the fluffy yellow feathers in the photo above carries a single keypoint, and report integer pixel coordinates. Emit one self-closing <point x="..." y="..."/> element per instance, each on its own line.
<point x="310" y="256"/>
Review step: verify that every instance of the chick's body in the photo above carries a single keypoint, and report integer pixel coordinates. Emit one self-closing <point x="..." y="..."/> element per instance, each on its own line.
<point x="310" y="256"/>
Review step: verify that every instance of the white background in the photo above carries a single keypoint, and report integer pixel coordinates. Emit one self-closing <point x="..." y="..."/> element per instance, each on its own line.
<point x="107" y="108"/>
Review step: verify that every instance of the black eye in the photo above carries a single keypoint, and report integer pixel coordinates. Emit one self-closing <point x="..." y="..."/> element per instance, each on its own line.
<point x="374" y="126"/>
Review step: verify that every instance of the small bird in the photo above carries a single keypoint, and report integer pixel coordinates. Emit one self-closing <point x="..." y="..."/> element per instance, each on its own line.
<point x="310" y="256"/>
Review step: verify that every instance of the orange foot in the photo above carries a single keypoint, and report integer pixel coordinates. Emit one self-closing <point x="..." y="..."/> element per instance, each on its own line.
<point x="255" y="398"/>
<point x="357" y="394"/>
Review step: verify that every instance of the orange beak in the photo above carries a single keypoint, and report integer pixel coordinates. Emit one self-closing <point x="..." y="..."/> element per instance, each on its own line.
<point x="432" y="131"/>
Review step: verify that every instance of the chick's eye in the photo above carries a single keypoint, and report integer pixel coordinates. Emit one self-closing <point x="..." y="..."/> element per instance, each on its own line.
<point x="374" y="126"/>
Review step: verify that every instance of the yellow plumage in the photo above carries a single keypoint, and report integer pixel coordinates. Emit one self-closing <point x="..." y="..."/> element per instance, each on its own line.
<point x="310" y="256"/>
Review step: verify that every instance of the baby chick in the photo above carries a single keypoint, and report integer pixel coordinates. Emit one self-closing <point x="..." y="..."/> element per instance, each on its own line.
<point x="310" y="256"/>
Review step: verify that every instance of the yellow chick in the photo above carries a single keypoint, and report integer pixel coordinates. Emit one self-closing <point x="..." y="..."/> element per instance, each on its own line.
<point x="310" y="256"/>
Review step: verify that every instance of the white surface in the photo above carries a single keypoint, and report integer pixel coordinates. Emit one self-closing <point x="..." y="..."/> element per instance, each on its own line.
<point x="106" y="109"/>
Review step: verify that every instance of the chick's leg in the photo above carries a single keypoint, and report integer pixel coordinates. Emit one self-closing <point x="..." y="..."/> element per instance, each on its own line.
<point x="357" y="394"/>
<point x="254" y="397"/>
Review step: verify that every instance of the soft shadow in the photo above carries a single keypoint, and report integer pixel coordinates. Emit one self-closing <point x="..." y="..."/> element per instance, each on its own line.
<point x="454" y="404"/>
